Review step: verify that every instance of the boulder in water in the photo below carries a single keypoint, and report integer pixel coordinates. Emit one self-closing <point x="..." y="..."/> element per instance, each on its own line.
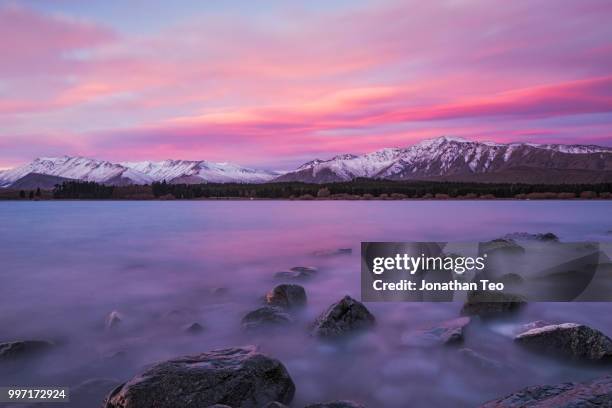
<point x="336" y="404"/>
<point x="287" y="296"/>
<point x="573" y="340"/>
<point x="237" y="377"/>
<point x="344" y="317"/>
<point x="23" y="348"/>
<point x="265" y="316"/>
<point x="596" y="393"/>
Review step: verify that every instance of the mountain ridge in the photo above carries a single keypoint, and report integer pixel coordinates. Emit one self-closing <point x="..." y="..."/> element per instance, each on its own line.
<point x="443" y="158"/>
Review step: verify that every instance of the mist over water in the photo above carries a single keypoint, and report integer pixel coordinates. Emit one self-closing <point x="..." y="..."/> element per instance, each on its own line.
<point x="64" y="266"/>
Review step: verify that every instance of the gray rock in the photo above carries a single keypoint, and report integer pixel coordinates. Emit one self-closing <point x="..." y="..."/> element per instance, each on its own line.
<point x="448" y="333"/>
<point x="568" y="339"/>
<point x="287" y="296"/>
<point x="336" y="404"/>
<point x="237" y="377"/>
<point x="595" y="394"/>
<point x="23" y="348"/>
<point x="276" y="404"/>
<point x="343" y="317"/>
<point x="264" y="317"/>
<point x="492" y="304"/>
<point x="305" y="269"/>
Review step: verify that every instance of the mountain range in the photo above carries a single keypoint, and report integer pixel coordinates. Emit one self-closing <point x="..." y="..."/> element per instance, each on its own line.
<point x="442" y="158"/>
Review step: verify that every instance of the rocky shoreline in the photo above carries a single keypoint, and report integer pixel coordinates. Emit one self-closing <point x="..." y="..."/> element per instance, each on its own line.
<point x="243" y="376"/>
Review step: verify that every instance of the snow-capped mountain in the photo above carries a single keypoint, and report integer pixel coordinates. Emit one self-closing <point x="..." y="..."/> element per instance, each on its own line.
<point x="199" y="172"/>
<point x="459" y="159"/>
<point x="100" y="171"/>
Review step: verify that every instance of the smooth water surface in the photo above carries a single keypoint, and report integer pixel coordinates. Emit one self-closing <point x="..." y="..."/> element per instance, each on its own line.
<point x="64" y="266"/>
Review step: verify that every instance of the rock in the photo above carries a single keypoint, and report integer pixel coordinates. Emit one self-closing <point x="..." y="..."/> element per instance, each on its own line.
<point x="479" y="360"/>
<point x="533" y="325"/>
<point x="343" y="317"/>
<point x="301" y="275"/>
<point x="448" y="333"/>
<point x="23" y="348"/>
<point x="336" y="404"/>
<point x="113" y="319"/>
<point x="265" y="316"/>
<point x="569" y="339"/>
<point x="276" y="404"/>
<point x="237" y="377"/>
<point x="525" y="236"/>
<point x="219" y="406"/>
<point x="506" y="246"/>
<point x="491" y="304"/>
<point x="193" y="328"/>
<point x="596" y="393"/>
<point x="334" y="252"/>
<point x="287" y="296"/>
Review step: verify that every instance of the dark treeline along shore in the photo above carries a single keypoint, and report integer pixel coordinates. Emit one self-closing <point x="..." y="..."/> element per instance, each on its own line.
<point x="349" y="190"/>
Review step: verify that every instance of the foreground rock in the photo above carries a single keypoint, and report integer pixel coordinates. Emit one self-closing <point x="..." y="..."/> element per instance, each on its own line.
<point x="265" y="317"/>
<point x="568" y="339"/>
<point x="448" y="333"/>
<point x="596" y="393"/>
<point x="344" y="317"/>
<point x="237" y="377"/>
<point x="24" y="348"/>
<point x="492" y="304"/>
<point x="287" y="296"/>
<point x="336" y="404"/>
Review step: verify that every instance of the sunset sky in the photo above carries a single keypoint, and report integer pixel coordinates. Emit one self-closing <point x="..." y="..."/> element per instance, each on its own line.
<point x="275" y="83"/>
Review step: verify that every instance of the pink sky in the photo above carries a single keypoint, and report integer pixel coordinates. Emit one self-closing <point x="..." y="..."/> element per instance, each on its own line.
<point x="277" y="85"/>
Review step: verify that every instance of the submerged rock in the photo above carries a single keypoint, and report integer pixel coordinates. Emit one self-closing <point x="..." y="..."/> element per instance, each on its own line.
<point x="276" y="404"/>
<point x="193" y="328"/>
<point x="297" y="273"/>
<point x="336" y="404"/>
<point x="596" y="393"/>
<point x="569" y="339"/>
<point x="492" y="304"/>
<point x="237" y="377"/>
<point x="287" y="296"/>
<point x="265" y="316"/>
<point x="334" y="252"/>
<point x="525" y="236"/>
<point x="448" y="333"/>
<point x="113" y="319"/>
<point x="23" y="348"/>
<point x="506" y="246"/>
<point x="346" y="316"/>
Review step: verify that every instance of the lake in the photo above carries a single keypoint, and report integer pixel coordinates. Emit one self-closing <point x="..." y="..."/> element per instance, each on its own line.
<point x="64" y="266"/>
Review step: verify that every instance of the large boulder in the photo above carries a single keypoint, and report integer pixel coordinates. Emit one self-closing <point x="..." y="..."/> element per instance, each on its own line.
<point x="237" y="377"/>
<point x="265" y="316"/>
<point x="336" y="404"/>
<point x="343" y="317"/>
<point x="568" y="339"/>
<point x="23" y="348"/>
<point x="287" y="296"/>
<point x="596" y="393"/>
<point x="492" y="304"/>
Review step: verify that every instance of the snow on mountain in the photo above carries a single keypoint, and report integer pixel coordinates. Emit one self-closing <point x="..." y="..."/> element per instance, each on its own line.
<point x="202" y="171"/>
<point x="452" y="157"/>
<point x="78" y="168"/>
<point x="146" y="172"/>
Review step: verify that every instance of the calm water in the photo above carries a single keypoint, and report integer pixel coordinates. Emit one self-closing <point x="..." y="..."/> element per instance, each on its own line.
<point x="65" y="265"/>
